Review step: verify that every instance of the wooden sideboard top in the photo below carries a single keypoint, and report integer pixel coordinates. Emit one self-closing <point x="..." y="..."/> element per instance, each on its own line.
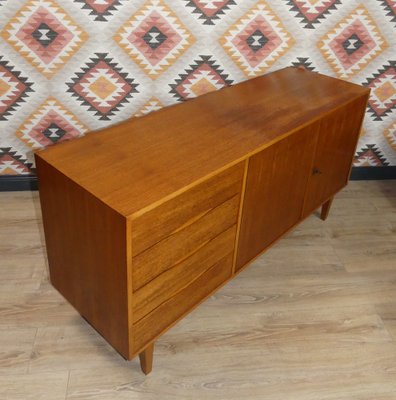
<point x="136" y="164"/>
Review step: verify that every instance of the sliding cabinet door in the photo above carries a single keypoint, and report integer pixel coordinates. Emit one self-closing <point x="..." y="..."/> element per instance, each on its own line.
<point x="275" y="188"/>
<point x="338" y="135"/>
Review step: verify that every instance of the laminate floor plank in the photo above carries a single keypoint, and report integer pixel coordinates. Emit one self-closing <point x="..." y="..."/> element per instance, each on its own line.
<point x="274" y="372"/>
<point x="312" y="326"/>
<point x="19" y="206"/>
<point x="298" y="257"/>
<point x="22" y="266"/>
<point x="16" y="349"/>
<point x="296" y="292"/>
<point x="59" y="348"/>
<point x="48" y="386"/>
<point x="369" y="189"/>
<point x="40" y="308"/>
<point x="387" y="312"/>
<point x="313" y="318"/>
<point x="367" y="253"/>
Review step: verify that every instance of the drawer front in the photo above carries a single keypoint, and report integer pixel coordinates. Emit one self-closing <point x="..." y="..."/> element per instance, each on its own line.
<point x="183" y="243"/>
<point x="159" y="223"/>
<point x="172" y="281"/>
<point x="183" y="226"/>
<point x="184" y="301"/>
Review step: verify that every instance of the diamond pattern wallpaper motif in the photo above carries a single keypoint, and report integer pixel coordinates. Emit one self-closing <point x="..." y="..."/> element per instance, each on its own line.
<point x="68" y="67"/>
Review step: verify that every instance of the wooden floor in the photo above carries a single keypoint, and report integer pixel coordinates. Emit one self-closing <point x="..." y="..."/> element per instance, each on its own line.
<point x="314" y="318"/>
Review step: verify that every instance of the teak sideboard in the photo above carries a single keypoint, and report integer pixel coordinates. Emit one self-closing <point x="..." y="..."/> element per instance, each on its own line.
<point x="147" y="218"/>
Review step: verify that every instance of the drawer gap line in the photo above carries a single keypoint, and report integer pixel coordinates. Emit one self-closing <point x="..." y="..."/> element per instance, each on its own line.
<point x="184" y="258"/>
<point x="185" y="225"/>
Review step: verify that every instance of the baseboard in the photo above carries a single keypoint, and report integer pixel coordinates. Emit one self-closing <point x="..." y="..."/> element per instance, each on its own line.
<point x="10" y="183"/>
<point x="372" y="173"/>
<point x="17" y="183"/>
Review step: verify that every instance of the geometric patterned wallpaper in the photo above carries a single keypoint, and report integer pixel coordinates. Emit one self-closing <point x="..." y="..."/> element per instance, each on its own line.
<point x="67" y="67"/>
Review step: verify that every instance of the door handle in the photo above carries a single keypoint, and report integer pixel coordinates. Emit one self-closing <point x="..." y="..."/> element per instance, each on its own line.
<point x="316" y="171"/>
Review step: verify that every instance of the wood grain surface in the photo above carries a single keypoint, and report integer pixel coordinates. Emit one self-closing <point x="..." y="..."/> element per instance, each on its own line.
<point x="337" y="140"/>
<point x="86" y="245"/>
<point x="183" y="243"/>
<point x="274" y="194"/>
<point x="312" y="319"/>
<point x="183" y="210"/>
<point x="146" y="359"/>
<point x="180" y="145"/>
<point x="181" y="303"/>
<point x="171" y="281"/>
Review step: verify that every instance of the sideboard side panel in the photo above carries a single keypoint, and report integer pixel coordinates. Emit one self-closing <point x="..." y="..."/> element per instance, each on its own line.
<point x="86" y="247"/>
<point x="274" y="194"/>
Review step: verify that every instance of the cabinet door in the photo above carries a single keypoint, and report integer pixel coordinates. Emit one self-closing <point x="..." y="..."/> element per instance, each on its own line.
<point x="338" y="135"/>
<point x="275" y="187"/>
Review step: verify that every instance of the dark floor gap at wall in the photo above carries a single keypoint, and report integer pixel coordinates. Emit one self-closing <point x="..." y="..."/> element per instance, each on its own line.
<point x="373" y="173"/>
<point x="29" y="182"/>
<point x="9" y="183"/>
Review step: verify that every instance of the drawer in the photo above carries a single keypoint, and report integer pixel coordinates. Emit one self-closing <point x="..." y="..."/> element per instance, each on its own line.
<point x="184" y="301"/>
<point x="172" y="215"/>
<point x="175" y="279"/>
<point x="183" y="243"/>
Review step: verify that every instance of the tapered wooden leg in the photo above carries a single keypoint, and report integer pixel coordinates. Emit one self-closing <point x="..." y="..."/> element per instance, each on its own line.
<point x="146" y="359"/>
<point x="325" y="209"/>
